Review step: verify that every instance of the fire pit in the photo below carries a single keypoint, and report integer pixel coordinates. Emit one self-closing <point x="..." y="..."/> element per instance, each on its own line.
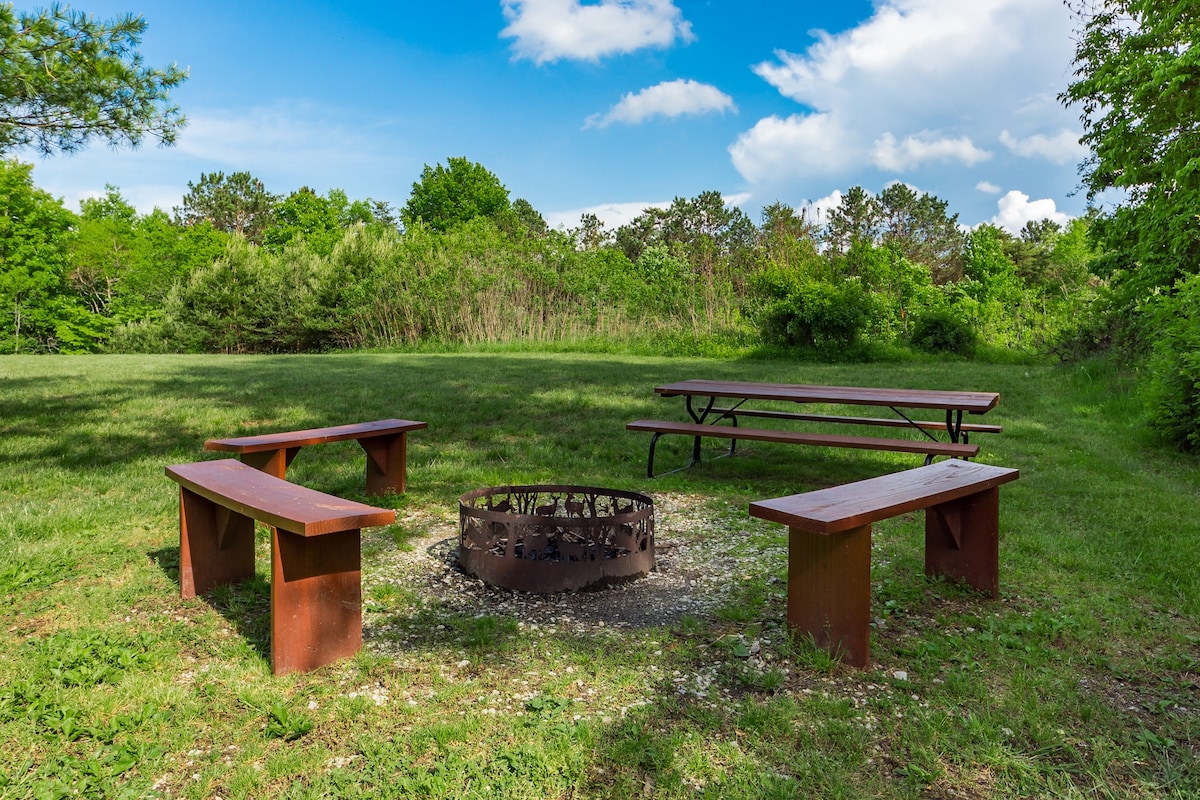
<point x="555" y="538"/>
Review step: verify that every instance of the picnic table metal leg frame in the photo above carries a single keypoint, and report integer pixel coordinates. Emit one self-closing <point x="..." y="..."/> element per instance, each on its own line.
<point x="829" y="590"/>
<point x="316" y="599"/>
<point x="650" y="461"/>
<point x="700" y="419"/>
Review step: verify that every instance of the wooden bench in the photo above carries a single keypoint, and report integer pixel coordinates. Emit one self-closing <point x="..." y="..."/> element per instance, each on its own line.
<point x="316" y="593"/>
<point x="385" y="442"/>
<point x="659" y="428"/>
<point x="965" y="428"/>
<point x="829" y="544"/>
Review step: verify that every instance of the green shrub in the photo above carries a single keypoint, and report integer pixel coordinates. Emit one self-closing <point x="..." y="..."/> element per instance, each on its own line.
<point x="820" y="315"/>
<point x="1174" y="368"/>
<point x="943" y="331"/>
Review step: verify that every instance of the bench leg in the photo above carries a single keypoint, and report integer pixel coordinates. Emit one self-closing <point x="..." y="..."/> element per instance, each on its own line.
<point x="962" y="541"/>
<point x="316" y="599"/>
<point x="829" y="590"/>
<point x="387" y="458"/>
<point x="272" y="462"/>
<point x="216" y="545"/>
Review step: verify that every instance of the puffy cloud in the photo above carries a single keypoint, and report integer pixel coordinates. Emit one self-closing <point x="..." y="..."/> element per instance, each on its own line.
<point x="918" y="84"/>
<point x="549" y="30"/>
<point x="798" y="146"/>
<point x="668" y="99"/>
<point x="1062" y="148"/>
<point x="987" y="187"/>
<point x="914" y="151"/>
<point x="1016" y="209"/>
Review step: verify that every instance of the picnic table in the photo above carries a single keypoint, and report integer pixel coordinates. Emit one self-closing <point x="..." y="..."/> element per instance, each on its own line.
<point x="739" y="398"/>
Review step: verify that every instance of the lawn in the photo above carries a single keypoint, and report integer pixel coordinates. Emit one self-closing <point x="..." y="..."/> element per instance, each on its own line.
<point x="1082" y="680"/>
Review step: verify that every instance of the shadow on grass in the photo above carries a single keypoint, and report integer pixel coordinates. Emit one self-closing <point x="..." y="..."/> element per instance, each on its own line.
<point x="245" y="605"/>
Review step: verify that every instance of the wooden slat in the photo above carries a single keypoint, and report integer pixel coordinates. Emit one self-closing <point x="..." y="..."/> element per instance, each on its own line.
<point x="884" y="422"/>
<point x="337" y="433"/>
<point x="973" y="402"/>
<point x="852" y="505"/>
<point x="796" y="437"/>
<point x="276" y="502"/>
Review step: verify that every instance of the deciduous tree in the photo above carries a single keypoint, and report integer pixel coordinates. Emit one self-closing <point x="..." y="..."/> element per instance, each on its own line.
<point x="1137" y="88"/>
<point x="450" y="195"/>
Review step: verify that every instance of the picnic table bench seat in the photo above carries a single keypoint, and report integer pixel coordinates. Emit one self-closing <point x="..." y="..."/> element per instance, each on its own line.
<point x="829" y="543"/>
<point x="736" y="433"/>
<point x="889" y="422"/>
<point x="316" y="593"/>
<point x="385" y="442"/>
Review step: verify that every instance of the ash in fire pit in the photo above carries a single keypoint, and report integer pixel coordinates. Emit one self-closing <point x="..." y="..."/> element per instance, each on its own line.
<point x="555" y="538"/>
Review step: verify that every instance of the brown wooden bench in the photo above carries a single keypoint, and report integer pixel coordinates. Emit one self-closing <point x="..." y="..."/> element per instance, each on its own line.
<point x="829" y="544"/>
<point x="660" y="428"/>
<point x="316" y="593"/>
<point x="964" y="428"/>
<point x="385" y="442"/>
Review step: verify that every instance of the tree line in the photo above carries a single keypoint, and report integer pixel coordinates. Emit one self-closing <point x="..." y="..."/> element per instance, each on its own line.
<point x="236" y="268"/>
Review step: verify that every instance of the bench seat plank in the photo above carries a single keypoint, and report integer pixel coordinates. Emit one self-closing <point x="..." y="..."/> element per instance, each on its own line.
<point x="972" y="427"/>
<point x="797" y="437"/>
<point x="276" y="441"/>
<point x="840" y="508"/>
<point x="385" y="442"/>
<point x="294" y="508"/>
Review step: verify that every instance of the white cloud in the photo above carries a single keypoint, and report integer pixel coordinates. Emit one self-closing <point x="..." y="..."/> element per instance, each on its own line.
<point x="1016" y="209"/>
<point x="549" y="30"/>
<point x="796" y="147"/>
<point x="987" y="187"/>
<point x="917" y="150"/>
<point x="916" y="85"/>
<point x="669" y="99"/>
<point x="1062" y="148"/>
<point x="613" y="215"/>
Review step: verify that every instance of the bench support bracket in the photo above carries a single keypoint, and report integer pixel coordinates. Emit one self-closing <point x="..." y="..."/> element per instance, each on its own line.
<point x="272" y="462"/>
<point x="962" y="541"/>
<point x="216" y="546"/>
<point x="386" y="459"/>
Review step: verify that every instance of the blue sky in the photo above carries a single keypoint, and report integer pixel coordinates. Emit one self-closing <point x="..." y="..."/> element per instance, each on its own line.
<point x="610" y="106"/>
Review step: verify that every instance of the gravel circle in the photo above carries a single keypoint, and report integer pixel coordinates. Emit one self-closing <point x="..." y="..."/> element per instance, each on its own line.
<point x="695" y="557"/>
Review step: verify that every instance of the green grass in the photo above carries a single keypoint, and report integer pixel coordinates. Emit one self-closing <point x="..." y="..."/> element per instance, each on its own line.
<point x="1082" y="680"/>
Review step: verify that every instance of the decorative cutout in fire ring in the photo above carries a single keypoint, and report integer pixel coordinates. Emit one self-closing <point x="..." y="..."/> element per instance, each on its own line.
<point x="551" y="539"/>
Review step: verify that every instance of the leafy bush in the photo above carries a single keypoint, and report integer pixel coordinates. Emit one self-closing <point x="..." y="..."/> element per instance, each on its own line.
<point x="1174" y="382"/>
<point x="943" y="331"/>
<point x="820" y="315"/>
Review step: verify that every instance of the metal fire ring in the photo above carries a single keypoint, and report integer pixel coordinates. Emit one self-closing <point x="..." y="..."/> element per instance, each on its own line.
<point x="555" y="538"/>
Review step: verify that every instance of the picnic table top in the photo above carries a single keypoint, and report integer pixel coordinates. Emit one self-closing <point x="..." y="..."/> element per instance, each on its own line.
<point x="973" y="402"/>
